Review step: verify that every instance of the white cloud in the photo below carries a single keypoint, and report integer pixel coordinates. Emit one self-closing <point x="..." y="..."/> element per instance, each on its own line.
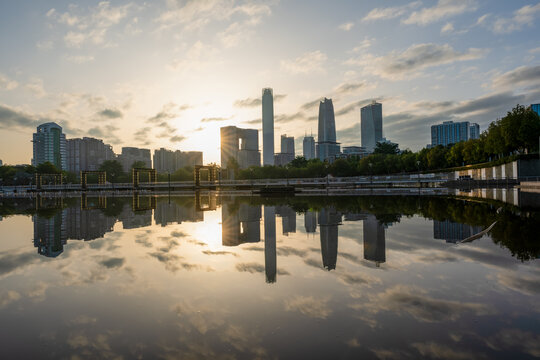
<point x="306" y="63"/>
<point x="346" y="27"/>
<point x="6" y="83"/>
<point x="36" y="86"/>
<point x="389" y="12"/>
<point x="79" y="59"/>
<point x="45" y="45"/>
<point x="407" y="64"/>
<point x="521" y="76"/>
<point x="443" y="9"/>
<point x="524" y="16"/>
<point x="447" y="28"/>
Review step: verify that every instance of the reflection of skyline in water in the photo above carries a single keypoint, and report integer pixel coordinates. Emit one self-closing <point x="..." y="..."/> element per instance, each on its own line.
<point x="453" y="232"/>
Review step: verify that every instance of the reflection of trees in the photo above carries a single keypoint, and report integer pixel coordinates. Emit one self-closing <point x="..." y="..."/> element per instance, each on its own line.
<point x="519" y="234"/>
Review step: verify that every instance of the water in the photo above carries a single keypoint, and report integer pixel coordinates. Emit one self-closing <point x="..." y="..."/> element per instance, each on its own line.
<point x="239" y="277"/>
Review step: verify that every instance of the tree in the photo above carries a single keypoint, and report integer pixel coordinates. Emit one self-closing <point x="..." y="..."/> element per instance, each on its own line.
<point x="298" y="162"/>
<point x="386" y="148"/>
<point x="114" y="170"/>
<point x="138" y="164"/>
<point x="47" y="168"/>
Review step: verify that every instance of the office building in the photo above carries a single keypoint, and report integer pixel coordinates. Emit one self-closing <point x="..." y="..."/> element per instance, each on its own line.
<point x="170" y="161"/>
<point x="268" y="126"/>
<point x="49" y="145"/>
<point x="536" y="108"/>
<point x="188" y="158"/>
<point x="50" y="234"/>
<point x="327" y="147"/>
<point x="240" y="223"/>
<point x="329" y="219"/>
<point x="131" y="155"/>
<point x="241" y="145"/>
<point x="371" y="125"/>
<point x="474" y="131"/>
<point x="354" y="151"/>
<point x="288" y="218"/>
<point x="450" y="132"/>
<point x="310" y="221"/>
<point x="309" y="147"/>
<point x="287" y="151"/>
<point x="87" y="154"/>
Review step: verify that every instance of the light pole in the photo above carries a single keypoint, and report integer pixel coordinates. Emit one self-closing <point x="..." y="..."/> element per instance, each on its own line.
<point x="371" y="173"/>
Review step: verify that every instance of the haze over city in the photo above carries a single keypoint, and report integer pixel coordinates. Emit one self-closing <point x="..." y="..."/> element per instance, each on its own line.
<point x="171" y="73"/>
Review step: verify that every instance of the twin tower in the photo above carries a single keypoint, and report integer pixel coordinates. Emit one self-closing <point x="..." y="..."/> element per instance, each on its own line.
<point x="327" y="147"/>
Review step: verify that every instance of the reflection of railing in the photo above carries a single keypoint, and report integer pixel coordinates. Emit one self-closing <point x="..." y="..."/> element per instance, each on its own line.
<point x="101" y="203"/>
<point x="137" y="205"/>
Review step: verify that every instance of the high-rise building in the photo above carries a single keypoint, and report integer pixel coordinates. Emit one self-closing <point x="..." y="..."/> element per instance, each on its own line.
<point x="241" y="145"/>
<point x="50" y="145"/>
<point x="270" y="256"/>
<point x="87" y="154"/>
<point x="132" y="154"/>
<point x="170" y="161"/>
<point x="310" y="221"/>
<point x="268" y="126"/>
<point x="449" y="132"/>
<point x="536" y="108"/>
<point x="328" y="220"/>
<point x="188" y="158"/>
<point x="241" y="223"/>
<point x="453" y="232"/>
<point x="474" y="131"/>
<point x="327" y="147"/>
<point x="374" y="240"/>
<point x="50" y="233"/>
<point x="371" y="125"/>
<point x="309" y="147"/>
<point x="287" y="151"/>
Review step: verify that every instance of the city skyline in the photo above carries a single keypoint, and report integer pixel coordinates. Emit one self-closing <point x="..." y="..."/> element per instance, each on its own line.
<point x="171" y="74"/>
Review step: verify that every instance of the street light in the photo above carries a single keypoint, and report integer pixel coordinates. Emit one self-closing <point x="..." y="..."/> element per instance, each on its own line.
<point x="371" y="173"/>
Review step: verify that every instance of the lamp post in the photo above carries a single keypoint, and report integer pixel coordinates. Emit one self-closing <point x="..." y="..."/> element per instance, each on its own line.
<point x="370" y="164"/>
<point x="169" y="181"/>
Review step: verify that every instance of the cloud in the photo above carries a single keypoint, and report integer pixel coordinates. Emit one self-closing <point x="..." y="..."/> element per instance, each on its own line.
<point x="177" y="138"/>
<point x="443" y="9"/>
<point x="113" y="263"/>
<point x="521" y="76"/>
<point x="283" y="118"/>
<point x="346" y="26"/>
<point x="389" y="12"/>
<point x="36" y="86"/>
<point x="110" y="113"/>
<point x="255" y="102"/>
<point x="105" y="132"/>
<point x="250" y="267"/>
<point x="306" y="63"/>
<point x="437" y="351"/>
<point x="447" y="28"/>
<point x="7" y="84"/>
<point x="524" y="16"/>
<point x="311" y="104"/>
<point x="348" y="87"/>
<point x="310" y="306"/>
<point x="92" y="26"/>
<point x="80" y="59"/>
<point x="353" y="106"/>
<point x="254" y="121"/>
<point x="398" y="65"/>
<point x="212" y="119"/>
<point x="8" y="297"/>
<point x="142" y="135"/>
<point x="10" y="118"/>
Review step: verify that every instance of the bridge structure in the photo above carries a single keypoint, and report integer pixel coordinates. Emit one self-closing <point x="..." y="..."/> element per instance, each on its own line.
<point x="102" y="177"/>
<point x="298" y="184"/>
<point x="212" y="173"/>
<point x="57" y="179"/>
<point x="135" y="172"/>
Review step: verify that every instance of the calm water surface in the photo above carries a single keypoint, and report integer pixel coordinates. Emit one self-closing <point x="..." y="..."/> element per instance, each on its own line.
<point x="239" y="277"/>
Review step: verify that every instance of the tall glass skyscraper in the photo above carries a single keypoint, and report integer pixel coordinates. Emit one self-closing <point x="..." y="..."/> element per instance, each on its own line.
<point x="309" y="147"/>
<point x="450" y="132"/>
<point x="268" y="126"/>
<point x="371" y="125"/>
<point x="49" y="146"/>
<point x="327" y="147"/>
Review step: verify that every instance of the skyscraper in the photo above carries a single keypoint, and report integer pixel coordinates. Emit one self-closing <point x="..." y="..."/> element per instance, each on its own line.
<point x="241" y="145"/>
<point x="371" y="125"/>
<point x="268" y="126"/>
<point x="87" y="154"/>
<point x="474" y="131"/>
<point x="132" y="154"/>
<point x="327" y="147"/>
<point x="309" y="147"/>
<point x="50" y="145"/>
<point x="287" y="151"/>
<point x="450" y="132"/>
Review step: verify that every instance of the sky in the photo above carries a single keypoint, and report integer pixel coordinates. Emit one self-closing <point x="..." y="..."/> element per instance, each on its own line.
<point x="170" y="73"/>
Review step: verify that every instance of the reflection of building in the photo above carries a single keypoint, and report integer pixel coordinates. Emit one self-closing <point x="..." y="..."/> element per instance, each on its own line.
<point x="453" y="232"/>
<point x="328" y="220"/>
<point x="310" y="221"/>
<point x="240" y="145"/>
<point x="288" y="218"/>
<point x="267" y="127"/>
<point x="50" y="234"/>
<point x="87" y="154"/>
<point x="327" y="147"/>
<point x="135" y="219"/>
<point x="240" y="224"/>
<point x="374" y="240"/>
<point x="270" y="257"/>
<point x="371" y="125"/>
<point x="132" y="154"/>
<point x="50" y="145"/>
<point x="87" y="224"/>
<point x="169" y="213"/>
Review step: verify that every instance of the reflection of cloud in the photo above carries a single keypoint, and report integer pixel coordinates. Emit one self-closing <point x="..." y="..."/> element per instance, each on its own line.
<point x="171" y="261"/>
<point x="250" y="267"/>
<point x="8" y="297"/>
<point x="287" y="251"/>
<point x="520" y="282"/>
<point x="113" y="263"/>
<point x="438" y="351"/>
<point x="309" y="306"/>
<point x="209" y="252"/>
<point x="12" y="261"/>
<point x="415" y="302"/>
<point x="83" y="320"/>
<point x="516" y="339"/>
